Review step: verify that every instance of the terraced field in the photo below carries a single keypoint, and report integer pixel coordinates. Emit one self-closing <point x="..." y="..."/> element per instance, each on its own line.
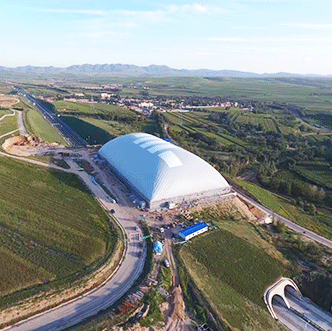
<point x="319" y="172"/>
<point x="195" y="122"/>
<point x="267" y="123"/>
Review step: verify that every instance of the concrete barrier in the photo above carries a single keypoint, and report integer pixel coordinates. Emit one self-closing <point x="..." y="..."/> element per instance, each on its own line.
<point x="278" y="288"/>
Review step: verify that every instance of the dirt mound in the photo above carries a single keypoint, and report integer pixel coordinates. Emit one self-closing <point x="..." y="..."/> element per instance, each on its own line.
<point x="21" y="141"/>
<point x="8" y="101"/>
<point x="25" y="145"/>
<point x="232" y="207"/>
<point x="179" y="305"/>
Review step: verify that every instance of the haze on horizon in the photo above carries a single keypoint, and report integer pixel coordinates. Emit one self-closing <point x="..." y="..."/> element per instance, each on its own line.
<point x="262" y="36"/>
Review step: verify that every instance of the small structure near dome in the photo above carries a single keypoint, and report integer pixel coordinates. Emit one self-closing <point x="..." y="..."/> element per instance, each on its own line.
<point x="158" y="247"/>
<point x="193" y="231"/>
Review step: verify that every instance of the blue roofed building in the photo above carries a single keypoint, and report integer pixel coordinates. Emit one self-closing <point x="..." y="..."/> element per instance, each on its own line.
<point x="193" y="231"/>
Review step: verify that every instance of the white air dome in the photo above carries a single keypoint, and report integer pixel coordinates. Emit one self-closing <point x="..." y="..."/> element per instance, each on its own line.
<point x="160" y="171"/>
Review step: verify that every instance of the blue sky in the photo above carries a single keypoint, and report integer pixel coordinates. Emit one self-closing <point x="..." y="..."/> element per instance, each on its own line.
<point x="248" y="35"/>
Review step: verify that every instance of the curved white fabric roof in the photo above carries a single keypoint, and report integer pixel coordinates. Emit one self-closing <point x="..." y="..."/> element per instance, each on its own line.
<point x="159" y="170"/>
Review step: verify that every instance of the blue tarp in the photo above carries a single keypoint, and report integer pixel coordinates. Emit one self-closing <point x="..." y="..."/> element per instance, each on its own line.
<point x="158" y="246"/>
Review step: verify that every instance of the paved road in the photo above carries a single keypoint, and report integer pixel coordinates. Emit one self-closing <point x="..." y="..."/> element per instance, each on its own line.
<point x="72" y="138"/>
<point x="21" y="124"/>
<point x="311" y="311"/>
<point x="71" y="313"/>
<point x="289" y="318"/>
<point x="291" y="225"/>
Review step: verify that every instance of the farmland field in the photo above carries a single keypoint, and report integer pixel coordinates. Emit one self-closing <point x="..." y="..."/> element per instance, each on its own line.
<point x="98" y="123"/>
<point x="235" y="278"/>
<point x="50" y="227"/>
<point x="190" y="121"/>
<point x="93" y="134"/>
<point x="318" y="172"/>
<point x="92" y="108"/>
<point x="17" y="272"/>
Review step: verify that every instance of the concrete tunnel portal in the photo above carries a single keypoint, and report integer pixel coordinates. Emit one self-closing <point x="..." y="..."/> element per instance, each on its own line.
<point x="279" y="288"/>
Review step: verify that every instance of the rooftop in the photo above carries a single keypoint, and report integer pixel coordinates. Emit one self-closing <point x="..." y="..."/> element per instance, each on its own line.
<point x="192" y="229"/>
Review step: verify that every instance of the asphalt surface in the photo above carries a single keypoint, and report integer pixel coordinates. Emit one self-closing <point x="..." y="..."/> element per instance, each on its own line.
<point x="290" y="319"/>
<point x="291" y="225"/>
<point x="21" y="125"/>
<point x="71" y="137"/>
<point x="311" y="311"/>
<point x="90" y="304"/>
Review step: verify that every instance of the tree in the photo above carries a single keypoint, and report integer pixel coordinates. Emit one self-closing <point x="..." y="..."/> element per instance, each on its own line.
<point x="281" y="227"/>
<point x="310" y="209"/>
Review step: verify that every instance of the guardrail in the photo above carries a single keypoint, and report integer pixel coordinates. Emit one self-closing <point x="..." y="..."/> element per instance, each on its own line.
<point x="308" y="320"/>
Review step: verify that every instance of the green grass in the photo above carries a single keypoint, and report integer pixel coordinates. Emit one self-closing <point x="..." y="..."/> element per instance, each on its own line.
<point x="154" y="299"/>
<point x="319" y="172"/>
<point x="320" y="223"/>
<point x="72" y="107"/>
<point x="37" y="125"/>
<point x="17" y="272"/>
<point x="190" y="120"/>
<point x="233" y="274"/>
<point x="8" y="124"/>
<point x="4" y="111"/>
<point x="91" y="133"/>
<point x="92" y="109"/>
<point x="50" y="221"/>
<point x="166" y="278"/>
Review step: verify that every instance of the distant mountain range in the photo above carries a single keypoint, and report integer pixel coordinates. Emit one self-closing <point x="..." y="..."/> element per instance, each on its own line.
<point x="133" y="70"/>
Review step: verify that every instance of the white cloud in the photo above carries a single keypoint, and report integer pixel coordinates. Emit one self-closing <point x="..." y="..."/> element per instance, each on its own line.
<point x="164" y="10"/>
<point x="275" y="39"/>
<point x="255" y="28"/>
<point x="308" y="26"/>
<point x="199" y="8"/>
<point x="75" y="11"/>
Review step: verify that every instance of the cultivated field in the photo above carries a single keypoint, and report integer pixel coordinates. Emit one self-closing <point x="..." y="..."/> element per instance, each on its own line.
<point x="92" y="108"/>
<point x="233" y="273"/>
<point x="98" y="123"/>
<point x="198" y="122"/>
<point x="319" y="172"/>
<point x="51" y="228"/>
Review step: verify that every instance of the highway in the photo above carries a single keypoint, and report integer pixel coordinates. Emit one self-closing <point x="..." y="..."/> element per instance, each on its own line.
<point x="291" y="225"/>
<point x="310" y="311"/>
<point x="289" y="318"/>
<point x="71" y="137"/>
<point x="71" y="313"/>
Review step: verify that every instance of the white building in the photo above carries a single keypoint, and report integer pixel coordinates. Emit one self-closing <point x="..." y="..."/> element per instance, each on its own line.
<point x="161" y="172"/>
<point x="193" y="231"/>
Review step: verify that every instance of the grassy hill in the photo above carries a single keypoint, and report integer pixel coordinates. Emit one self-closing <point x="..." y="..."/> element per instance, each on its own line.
<point x="233" y="273"/>
<point x="51" y="229"/>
